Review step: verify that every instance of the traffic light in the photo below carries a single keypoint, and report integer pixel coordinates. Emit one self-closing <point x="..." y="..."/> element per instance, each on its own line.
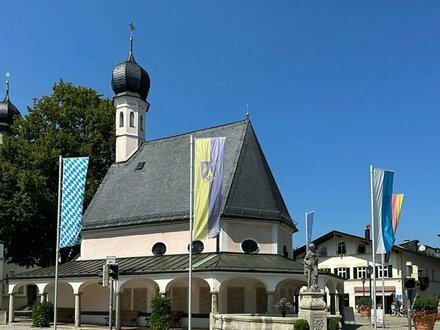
<point x="423" y="283"/>
<point x="105" y="275"/>
<point x="410" y="283"/>
<point x="114" y="271"/>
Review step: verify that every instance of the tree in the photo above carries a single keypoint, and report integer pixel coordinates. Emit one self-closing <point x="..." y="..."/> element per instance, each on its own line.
<point x="73" y="121"/>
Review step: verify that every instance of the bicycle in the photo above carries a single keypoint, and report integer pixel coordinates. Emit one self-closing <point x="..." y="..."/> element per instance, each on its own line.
<point x="403" y="312"/>
<point x="399" y="312"/>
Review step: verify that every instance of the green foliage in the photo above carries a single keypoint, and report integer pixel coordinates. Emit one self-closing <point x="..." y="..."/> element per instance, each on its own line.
<point x="42" y="314"/>
<point x="301" y="324"/>
<point x="364" y="302"/>
<point x="332" y="323"/>
<point x="426" y="303"/>
<point x="72" y="121"/>
<point x="160" y="313"/>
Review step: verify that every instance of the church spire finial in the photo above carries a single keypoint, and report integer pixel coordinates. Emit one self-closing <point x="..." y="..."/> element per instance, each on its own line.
<point x="130" y="54"/>
<point x="7" y="85"/>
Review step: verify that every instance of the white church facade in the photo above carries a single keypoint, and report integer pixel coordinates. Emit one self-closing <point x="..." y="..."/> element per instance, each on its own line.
<point x="140" y="215"/>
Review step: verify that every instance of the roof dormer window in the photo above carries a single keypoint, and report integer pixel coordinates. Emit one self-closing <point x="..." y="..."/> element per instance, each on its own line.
<point x="341" y="248"/>
<point x="361" y="248"/>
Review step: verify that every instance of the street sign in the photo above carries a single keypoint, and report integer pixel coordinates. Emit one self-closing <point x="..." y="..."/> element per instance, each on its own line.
<point x="111" y="260"/>
<point x="379" y="316"/>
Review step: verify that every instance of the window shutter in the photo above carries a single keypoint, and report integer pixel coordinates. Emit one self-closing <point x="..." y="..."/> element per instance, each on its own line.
<point x="355" y="272"/>
<point x="376" y="271"/>
<point x="335" y="271"/>
<point x="390" y="271"/>
<point x="348" y="273"/>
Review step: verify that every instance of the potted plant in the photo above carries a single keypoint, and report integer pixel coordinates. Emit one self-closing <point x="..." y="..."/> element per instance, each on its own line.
<point x="425" y="312"/>
<point x="364" y="306"/>
<point x="283" y="306"/>
<point x="301" y="324"/>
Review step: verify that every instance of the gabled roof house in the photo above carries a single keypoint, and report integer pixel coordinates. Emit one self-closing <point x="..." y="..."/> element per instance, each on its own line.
<point x="350" y="256"/>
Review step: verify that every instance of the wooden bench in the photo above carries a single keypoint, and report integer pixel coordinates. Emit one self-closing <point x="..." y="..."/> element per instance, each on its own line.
<point x="126" y="315"/>
<point x="175" y="318"/>
<point x="66" y="314"/>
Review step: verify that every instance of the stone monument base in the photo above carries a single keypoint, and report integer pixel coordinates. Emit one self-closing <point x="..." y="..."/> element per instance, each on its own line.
<point x="313" y="308"/>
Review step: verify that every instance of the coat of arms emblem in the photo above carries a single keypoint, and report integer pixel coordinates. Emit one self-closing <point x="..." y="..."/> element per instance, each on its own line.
<point x="207" y="171"/>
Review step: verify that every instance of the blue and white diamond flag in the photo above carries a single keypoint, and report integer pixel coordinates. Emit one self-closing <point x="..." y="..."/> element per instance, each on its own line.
<point x="74" y="182"/>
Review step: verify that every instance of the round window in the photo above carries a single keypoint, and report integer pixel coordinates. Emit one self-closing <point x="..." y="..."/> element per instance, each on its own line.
<point x="159" y="249"/>
<point x="249" y="246"/>
<point x="197" y="247"/>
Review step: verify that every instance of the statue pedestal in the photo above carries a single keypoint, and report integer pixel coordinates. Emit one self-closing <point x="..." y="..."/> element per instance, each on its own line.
<point x="313" y="308"/>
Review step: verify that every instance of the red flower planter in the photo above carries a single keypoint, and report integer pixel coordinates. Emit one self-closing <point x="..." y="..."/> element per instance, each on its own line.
<point x="364" y="312"/>
<point x="424" y="321"/>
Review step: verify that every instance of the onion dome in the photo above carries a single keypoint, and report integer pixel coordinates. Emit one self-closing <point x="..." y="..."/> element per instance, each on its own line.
<point x="129" y="76"/>
<point x="7" y="112"/>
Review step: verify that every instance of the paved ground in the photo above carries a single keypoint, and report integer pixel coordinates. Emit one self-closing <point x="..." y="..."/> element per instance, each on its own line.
<point x="360" y="323"/>
<point x="396" y="323"/>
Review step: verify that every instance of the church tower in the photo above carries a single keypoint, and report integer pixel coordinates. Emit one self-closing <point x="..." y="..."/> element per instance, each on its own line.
<point x="131" y="84"/>
<point x="7" y="113"/>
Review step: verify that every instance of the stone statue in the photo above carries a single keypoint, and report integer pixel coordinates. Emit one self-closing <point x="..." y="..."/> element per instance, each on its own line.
<point x="311" y="267"/>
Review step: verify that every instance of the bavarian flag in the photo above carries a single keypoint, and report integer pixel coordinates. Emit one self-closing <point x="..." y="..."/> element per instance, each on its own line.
<point x="74" y="182"/>
<point x="208" y="178"/>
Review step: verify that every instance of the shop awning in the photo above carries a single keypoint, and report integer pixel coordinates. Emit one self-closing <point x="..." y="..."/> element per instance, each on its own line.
<point x="389" y="290"/>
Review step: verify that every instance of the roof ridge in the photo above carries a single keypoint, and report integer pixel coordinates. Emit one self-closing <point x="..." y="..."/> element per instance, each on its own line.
<point x="236" y="161"/>
<point x="197" y="131"/>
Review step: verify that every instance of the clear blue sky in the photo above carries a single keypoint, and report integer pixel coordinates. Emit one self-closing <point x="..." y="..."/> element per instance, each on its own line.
<point x="332" y="87"/>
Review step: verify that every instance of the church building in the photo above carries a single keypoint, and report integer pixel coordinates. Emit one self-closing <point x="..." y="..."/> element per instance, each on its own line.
<point x="140" y="215"/>
<point x="7" y="113"/>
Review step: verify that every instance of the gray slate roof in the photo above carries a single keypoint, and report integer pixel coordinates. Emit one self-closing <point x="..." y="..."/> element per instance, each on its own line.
<point x="159" y="192"/>
<point x="222" y="262"/>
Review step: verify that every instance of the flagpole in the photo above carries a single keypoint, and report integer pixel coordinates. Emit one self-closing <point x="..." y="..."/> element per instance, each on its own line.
<point x="191" y="197"/>
<point x="307" y="234"/>
<point x="58" y="242"/>
<point x="373" y="247"/>
<point x="383" y="289"/>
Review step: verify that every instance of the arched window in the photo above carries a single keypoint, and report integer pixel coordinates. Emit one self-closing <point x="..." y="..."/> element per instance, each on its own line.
<point x="341" y="248"/>
<point x="141" y="122"/>
<point x="131" y="119"/>
<point x="121" y="119"/>
<point x="323" y="251"/>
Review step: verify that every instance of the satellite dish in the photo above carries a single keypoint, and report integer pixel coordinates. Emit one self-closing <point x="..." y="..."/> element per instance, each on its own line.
<point x="422" y="248"/>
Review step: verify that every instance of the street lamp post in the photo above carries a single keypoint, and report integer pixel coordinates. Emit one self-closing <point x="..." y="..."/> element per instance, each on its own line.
<point x="369" y="272"/>
<point x="363" y="279"/>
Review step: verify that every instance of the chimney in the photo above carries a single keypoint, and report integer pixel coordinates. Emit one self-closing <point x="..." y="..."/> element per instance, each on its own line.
<point x="367" y="232"/>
